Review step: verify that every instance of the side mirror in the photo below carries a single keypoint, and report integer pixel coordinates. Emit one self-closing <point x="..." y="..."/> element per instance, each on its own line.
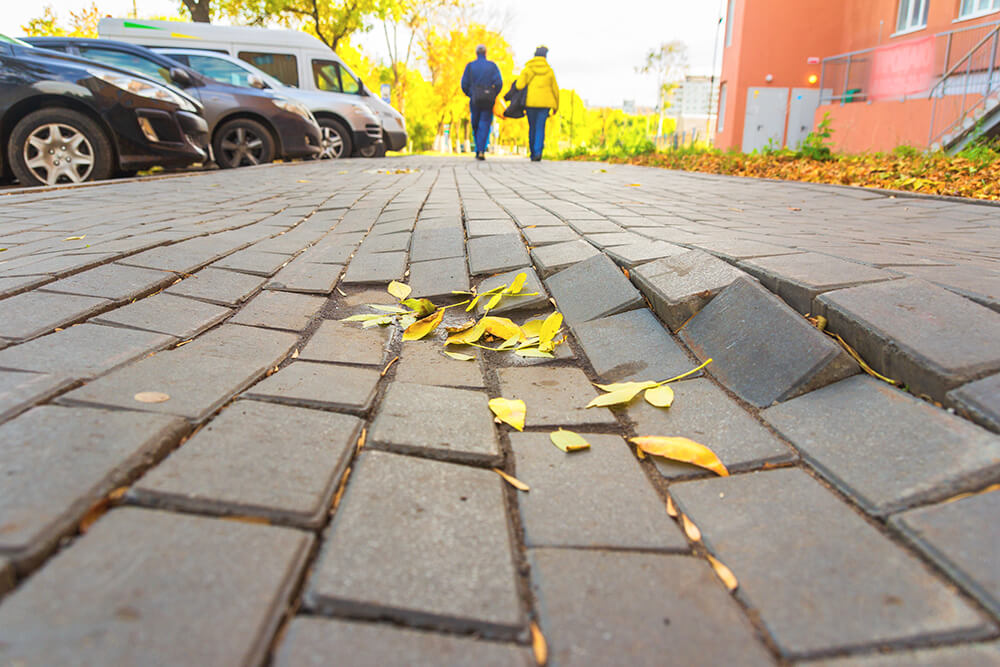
<point x="180" y="77"/>
<point x="256" y="82"/>
<point x="362" y="90"/>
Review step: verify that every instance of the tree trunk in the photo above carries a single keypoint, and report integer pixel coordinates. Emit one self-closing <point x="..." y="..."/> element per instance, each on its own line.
<point x="199" y="10"/>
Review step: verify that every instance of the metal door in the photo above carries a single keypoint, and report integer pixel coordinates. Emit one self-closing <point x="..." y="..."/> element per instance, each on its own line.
<point x="765" y="118"/>
<point x="802" y="112"/>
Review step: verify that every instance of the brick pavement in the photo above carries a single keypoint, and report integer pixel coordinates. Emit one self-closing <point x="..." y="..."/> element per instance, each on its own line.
<point x="240" y="522"/>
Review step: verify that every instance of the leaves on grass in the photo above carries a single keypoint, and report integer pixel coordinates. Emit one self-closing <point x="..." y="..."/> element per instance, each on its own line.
<point x="681" y="449"/>
<point x="509" y="411"/>
<point x="458" y="356"/>
<point x="421" y="328"/>
<point x="151" y="397"/>
<point x="568" y="441"/>
<point x="399" y="290"/>
<point x="661" y="397"/>
<point x="513" y="481"/>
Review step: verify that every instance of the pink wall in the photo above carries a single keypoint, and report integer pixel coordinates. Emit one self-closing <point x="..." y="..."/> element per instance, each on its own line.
<point x="858" y="128"/>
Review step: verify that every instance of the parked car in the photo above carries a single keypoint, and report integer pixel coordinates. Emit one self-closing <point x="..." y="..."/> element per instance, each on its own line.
<point x="246" y="125"/>
<point x="67" y="120"/>
<point x="293" y="57"/>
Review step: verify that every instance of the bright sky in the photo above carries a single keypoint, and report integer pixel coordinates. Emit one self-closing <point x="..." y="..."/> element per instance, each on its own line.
<point x="593" y="47"/>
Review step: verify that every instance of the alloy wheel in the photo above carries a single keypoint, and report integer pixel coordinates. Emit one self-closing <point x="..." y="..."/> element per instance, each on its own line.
<point x="57" y="153"/>
<point x="241" y="146"/>
<point x="332" y="144"/>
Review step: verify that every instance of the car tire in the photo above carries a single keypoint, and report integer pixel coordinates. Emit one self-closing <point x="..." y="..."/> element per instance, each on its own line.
<point x="373" y="150"/>
<point x="242" y="142"/>
<point x="56" y="145"/>
<point x="336" y="140"/>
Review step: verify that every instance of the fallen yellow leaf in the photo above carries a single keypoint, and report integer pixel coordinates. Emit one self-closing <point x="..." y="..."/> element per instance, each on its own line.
<point x="724" y="573"/>
<point x="690" y="372"/>
<point x="568" y="441"/>
<point x="420" y="307"/>
<point x="661" y="397"/>
<point x="510" y="411"/>
<point x="681" y="449"/>
<point x="502" y="327"/>
<point x="461" y="327"/>
<point x="513" y="481"/>
<point x="421" y="328"/>
<point x="532" y="328"/>
<point x="398" y="310"/>
<point x="151" y="397"/>
<point x="458" y="356"/>
<point x="467" y="336"/>
<point x="691" y="530"/>
<point x="550" y="327"/>
<point x="671" y="510"/>
<point x="75" y="238"/>
<point x="538" y="646"/>
<point x="622" y="393"/>
<point x="515" y="287"/>
<point x="492" y="303"/>
<point x="388" y="366"/>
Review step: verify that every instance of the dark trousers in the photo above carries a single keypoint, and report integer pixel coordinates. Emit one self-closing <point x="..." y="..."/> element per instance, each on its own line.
<point x="536" y="129"/>
<point x="482" y="119"/>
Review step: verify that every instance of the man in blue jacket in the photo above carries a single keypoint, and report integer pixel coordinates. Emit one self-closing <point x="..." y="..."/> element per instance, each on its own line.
<point x="481" y="81"/>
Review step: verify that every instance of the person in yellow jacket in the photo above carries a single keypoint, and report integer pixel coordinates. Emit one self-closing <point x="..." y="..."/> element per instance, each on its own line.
<point x="542" y="97"/>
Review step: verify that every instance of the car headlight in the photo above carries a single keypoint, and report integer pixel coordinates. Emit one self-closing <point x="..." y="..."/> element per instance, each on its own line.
<point x="153" y="91"/>
<point x="293" y="107"/>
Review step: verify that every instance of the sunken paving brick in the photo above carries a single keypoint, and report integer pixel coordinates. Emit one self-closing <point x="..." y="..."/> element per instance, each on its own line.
<point x="794" y="546"/>
<point x="961" y="537"/>
<point x="432" y="244"/>
<point x="280" y="310"/>
<point x="642" y="251"/>
<point x="20" y="391"/>
<point x="347" y="343"/>
<point x="148" y="587"/>
<point x="598" y="497"/>
<point x="680" y="285"/>
<point x="420" y="542"/>
<point x="58" y="462"/>
<point x="424" y="362"/>
<point x="554" y="396"/>
<point x="621" y="608"/>
<point x="438" y="278"/>
<point x="31" y="314"/>
<point x="531" y="296"/>
<point x="382" y="267"/>
<point x="477" y="228"/>
<point x="376" y="243"/>
<point x="113" y="281"/>
<point x="306" y="278"/>
<point x="594" y="288"/>
<point x="542" y="236"/>
<point x="254" y="262"/>
<point x="277" y="462"/>
<point x="895" y="451"/>
<point x="223" y="288"/>
<point x="631" y="346"/>
<point x="454" y="424"/>
<point x="704" y="413"/>
<point x="167" y="314"/>
<point x="979" y="401"/>
<point x="610" y="240"/>
<point x="494" y="254"/>
<point x="326" y="386"/>
<point x="763" y="350"/>
<point x="551" y="258"/>
<point x="929" y="338"/>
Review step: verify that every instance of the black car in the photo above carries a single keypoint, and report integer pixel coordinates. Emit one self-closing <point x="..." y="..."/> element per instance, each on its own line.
<point x="247" y="125"/>
<point x="67" y="120"/>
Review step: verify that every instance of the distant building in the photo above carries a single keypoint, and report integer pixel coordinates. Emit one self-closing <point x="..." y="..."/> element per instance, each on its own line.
<point x="693" y="104"/>
<point x="628" y="106"/>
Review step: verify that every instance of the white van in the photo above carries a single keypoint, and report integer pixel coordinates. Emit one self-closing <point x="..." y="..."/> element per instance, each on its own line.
<point x="293" y="57"/>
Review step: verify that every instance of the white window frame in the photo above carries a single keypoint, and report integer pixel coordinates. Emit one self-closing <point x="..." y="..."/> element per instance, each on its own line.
<point x="971" y="9"/>
<point x="720" y="121"/>
<point x="904" y="18"/>
<point x="729" y="22"/>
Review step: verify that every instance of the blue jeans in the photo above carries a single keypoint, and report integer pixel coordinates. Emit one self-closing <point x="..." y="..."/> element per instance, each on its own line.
<point x="536" y="129"/>
<point x="482" y="119"/>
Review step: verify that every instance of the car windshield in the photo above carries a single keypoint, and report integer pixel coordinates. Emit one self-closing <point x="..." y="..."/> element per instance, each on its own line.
<point x="14" y="40"/>
<point x="220" y="70"/>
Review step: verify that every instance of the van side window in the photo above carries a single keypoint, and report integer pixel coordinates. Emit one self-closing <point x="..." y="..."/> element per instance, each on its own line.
<point x="327" y="78"/>
<point x="282" y="66"/>
<point x="348" y="81"/>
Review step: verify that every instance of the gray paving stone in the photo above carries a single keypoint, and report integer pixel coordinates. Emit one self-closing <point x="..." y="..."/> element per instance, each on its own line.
<point x="494" y="254"/>
<point x="594" y="288"/>
<point x="20" y="391"/>
<point x="894" y="452"/>
<point x="6" y="575"/>
<point x="477" y="228"/>
<point x="280" y="310"/>
<point x="306" y="278"/>
<point x="424" y="362"/>
<point x="979" y="401"/>
<point x="551" y="258"/>
<point x="428" y="244"/>
<point x="347" y="344"/>
<point x="967" y="655"/>
<point x="595" y="225"/>
<point x="9" y="286"/>
<point x="972" y="282"/>
<point x="641" y="252"/>
<point x="326" y="386"/>
<point x="621" y="608"/>
<point x="542" y="236"/>
<point x="961" y="537"/>
<point x="614" y="239"/>
<point x="184" y="257"/>
<point x="253" y="261"/>
<point x="167" y="314"/>
<point x="277" y="462"/>
<point x="734" y="250"/>
<point x="56" y="265"/>
<point x="113" y="281"/>
<point x="82" y="351"/>
<point x="58" y="462"/>
<point x="631" y="346"/>
<point x="223" y="288"/>
<point x="375" y="243"/>
<point x="705" y="414"/>
<point x="514" y="302"/>
<point x="861" y="590"/>
<point x="927" y="337"/>
<point x="311" y="641"/>
<point x="554" y="396"/>
<point x="31" y="314"/>
<point x="380" y="267"/>
<point x="454" y="424"/>
<point x="385" y="557"/>
<point x="763" y="350"/>
<point x="679" y="286"/>
<point x="146" y="600"/>
<point x="334" y="249"/>
<point x="598" y="497"/>
<point x="438" y="277"/>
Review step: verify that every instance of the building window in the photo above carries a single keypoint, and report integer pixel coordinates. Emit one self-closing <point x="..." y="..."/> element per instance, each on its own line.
<point x="912" y="15"/>
<point x="721" y="120"/>
<point x="972" y="8"/>
<point x="729" y="22"/>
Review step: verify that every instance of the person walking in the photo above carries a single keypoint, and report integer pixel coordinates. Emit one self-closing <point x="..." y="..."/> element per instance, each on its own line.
<point x="542" y="97"/>
<point x="482" y="82"/>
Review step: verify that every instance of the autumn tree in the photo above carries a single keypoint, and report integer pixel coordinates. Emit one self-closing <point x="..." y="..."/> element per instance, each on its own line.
<point x="667" y="62"/>
<point x="200" y="10"/>
<point x="82" y="23"/>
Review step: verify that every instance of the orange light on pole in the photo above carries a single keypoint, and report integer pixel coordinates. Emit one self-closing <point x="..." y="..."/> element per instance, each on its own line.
<point x="813" y="79"/>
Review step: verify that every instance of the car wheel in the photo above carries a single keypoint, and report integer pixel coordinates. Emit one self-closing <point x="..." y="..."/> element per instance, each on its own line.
<point x="373" y="150"/>
<point x="54" y="146"/>
<point x="336" y="139"/>
<point x="242" y="142"/>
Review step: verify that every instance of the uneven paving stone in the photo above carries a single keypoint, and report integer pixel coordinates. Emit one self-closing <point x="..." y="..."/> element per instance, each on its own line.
<point x="277" y="462"/>
<point x="9" y="286"/>
<point x="593" y="225"/>
<point x="631" y="346"/>
<point x="542" y="236"/>
<point x="280" y="310"/>
<point x="734" y="250"/>
<point x="254" y="262"/>
<point x="19" y="391"/>
<point x="967" y="655"/>
<point x="961" y="537"/>
<point x="326" y="386"/>
<point x="159" y="588"/>
<point x="347" y="344"/>
<point x="705" y="414"/>
<point x="429" y="244"/>
<point x="679" y="286"/>
<point x="861" y="589"/>
<point x="763" y="350"/>
<point x="477" y="228"/>
<point x="167" y="314"/>
<point x="385" y="556"/>
<point x="925" y="336"/>
<point x="551" y="258"/>
<point x="979" y="401"/>
<point x="641" y="252"/>
<point x="31" y="314"/>
<point x="424" y="362"/>
<point x="184" y="257"/>
<point x="82" y="351"/>
<point x="380" y="267"/>
<point x="621" y="608"/>
<point x="335" y="249"/>
<point x="598" y="497"/>
<point x="513" y="302"/>
<point x="591" y="289"/>
<point x="113" y="281"/>
<point x="455" y="424"/>
<point x="223" y="288"/>
<point x="798" y="279"/>
<point x="973" y="282"/>
<point x="311" y="641"/>
<point x="376" y="243"/>
<point x="613" y="239"/>
<point x="58" y="462"/>
<point x="895" y="451"/>
<point x="493" y="254"/>
<point x="306" y="278"/>
<point x="438" y="278"/>
<point x="554" y="396"/>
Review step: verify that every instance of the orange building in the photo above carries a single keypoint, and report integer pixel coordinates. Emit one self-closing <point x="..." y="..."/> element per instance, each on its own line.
<point x="889" y="72"/>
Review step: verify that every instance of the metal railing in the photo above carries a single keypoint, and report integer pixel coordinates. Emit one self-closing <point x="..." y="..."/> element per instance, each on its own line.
<point x="965" y="88"/>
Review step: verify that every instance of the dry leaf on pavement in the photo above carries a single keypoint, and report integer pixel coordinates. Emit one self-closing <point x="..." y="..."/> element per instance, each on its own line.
<point x="538" y="646"/>
<point x="399" y="290"/>
<point x="458" y="356"/>
<point x="661" y="397"/>
<point x="568" y="441"/>
<point x="509" y="411"/>
<point x="421" y="328"/>
<point x="151" y="397"/>
<point x="619" y="393"/>
<point x="513" y="481"/>
<point x="724" y="573"/>
<point x="681" y="449"/>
